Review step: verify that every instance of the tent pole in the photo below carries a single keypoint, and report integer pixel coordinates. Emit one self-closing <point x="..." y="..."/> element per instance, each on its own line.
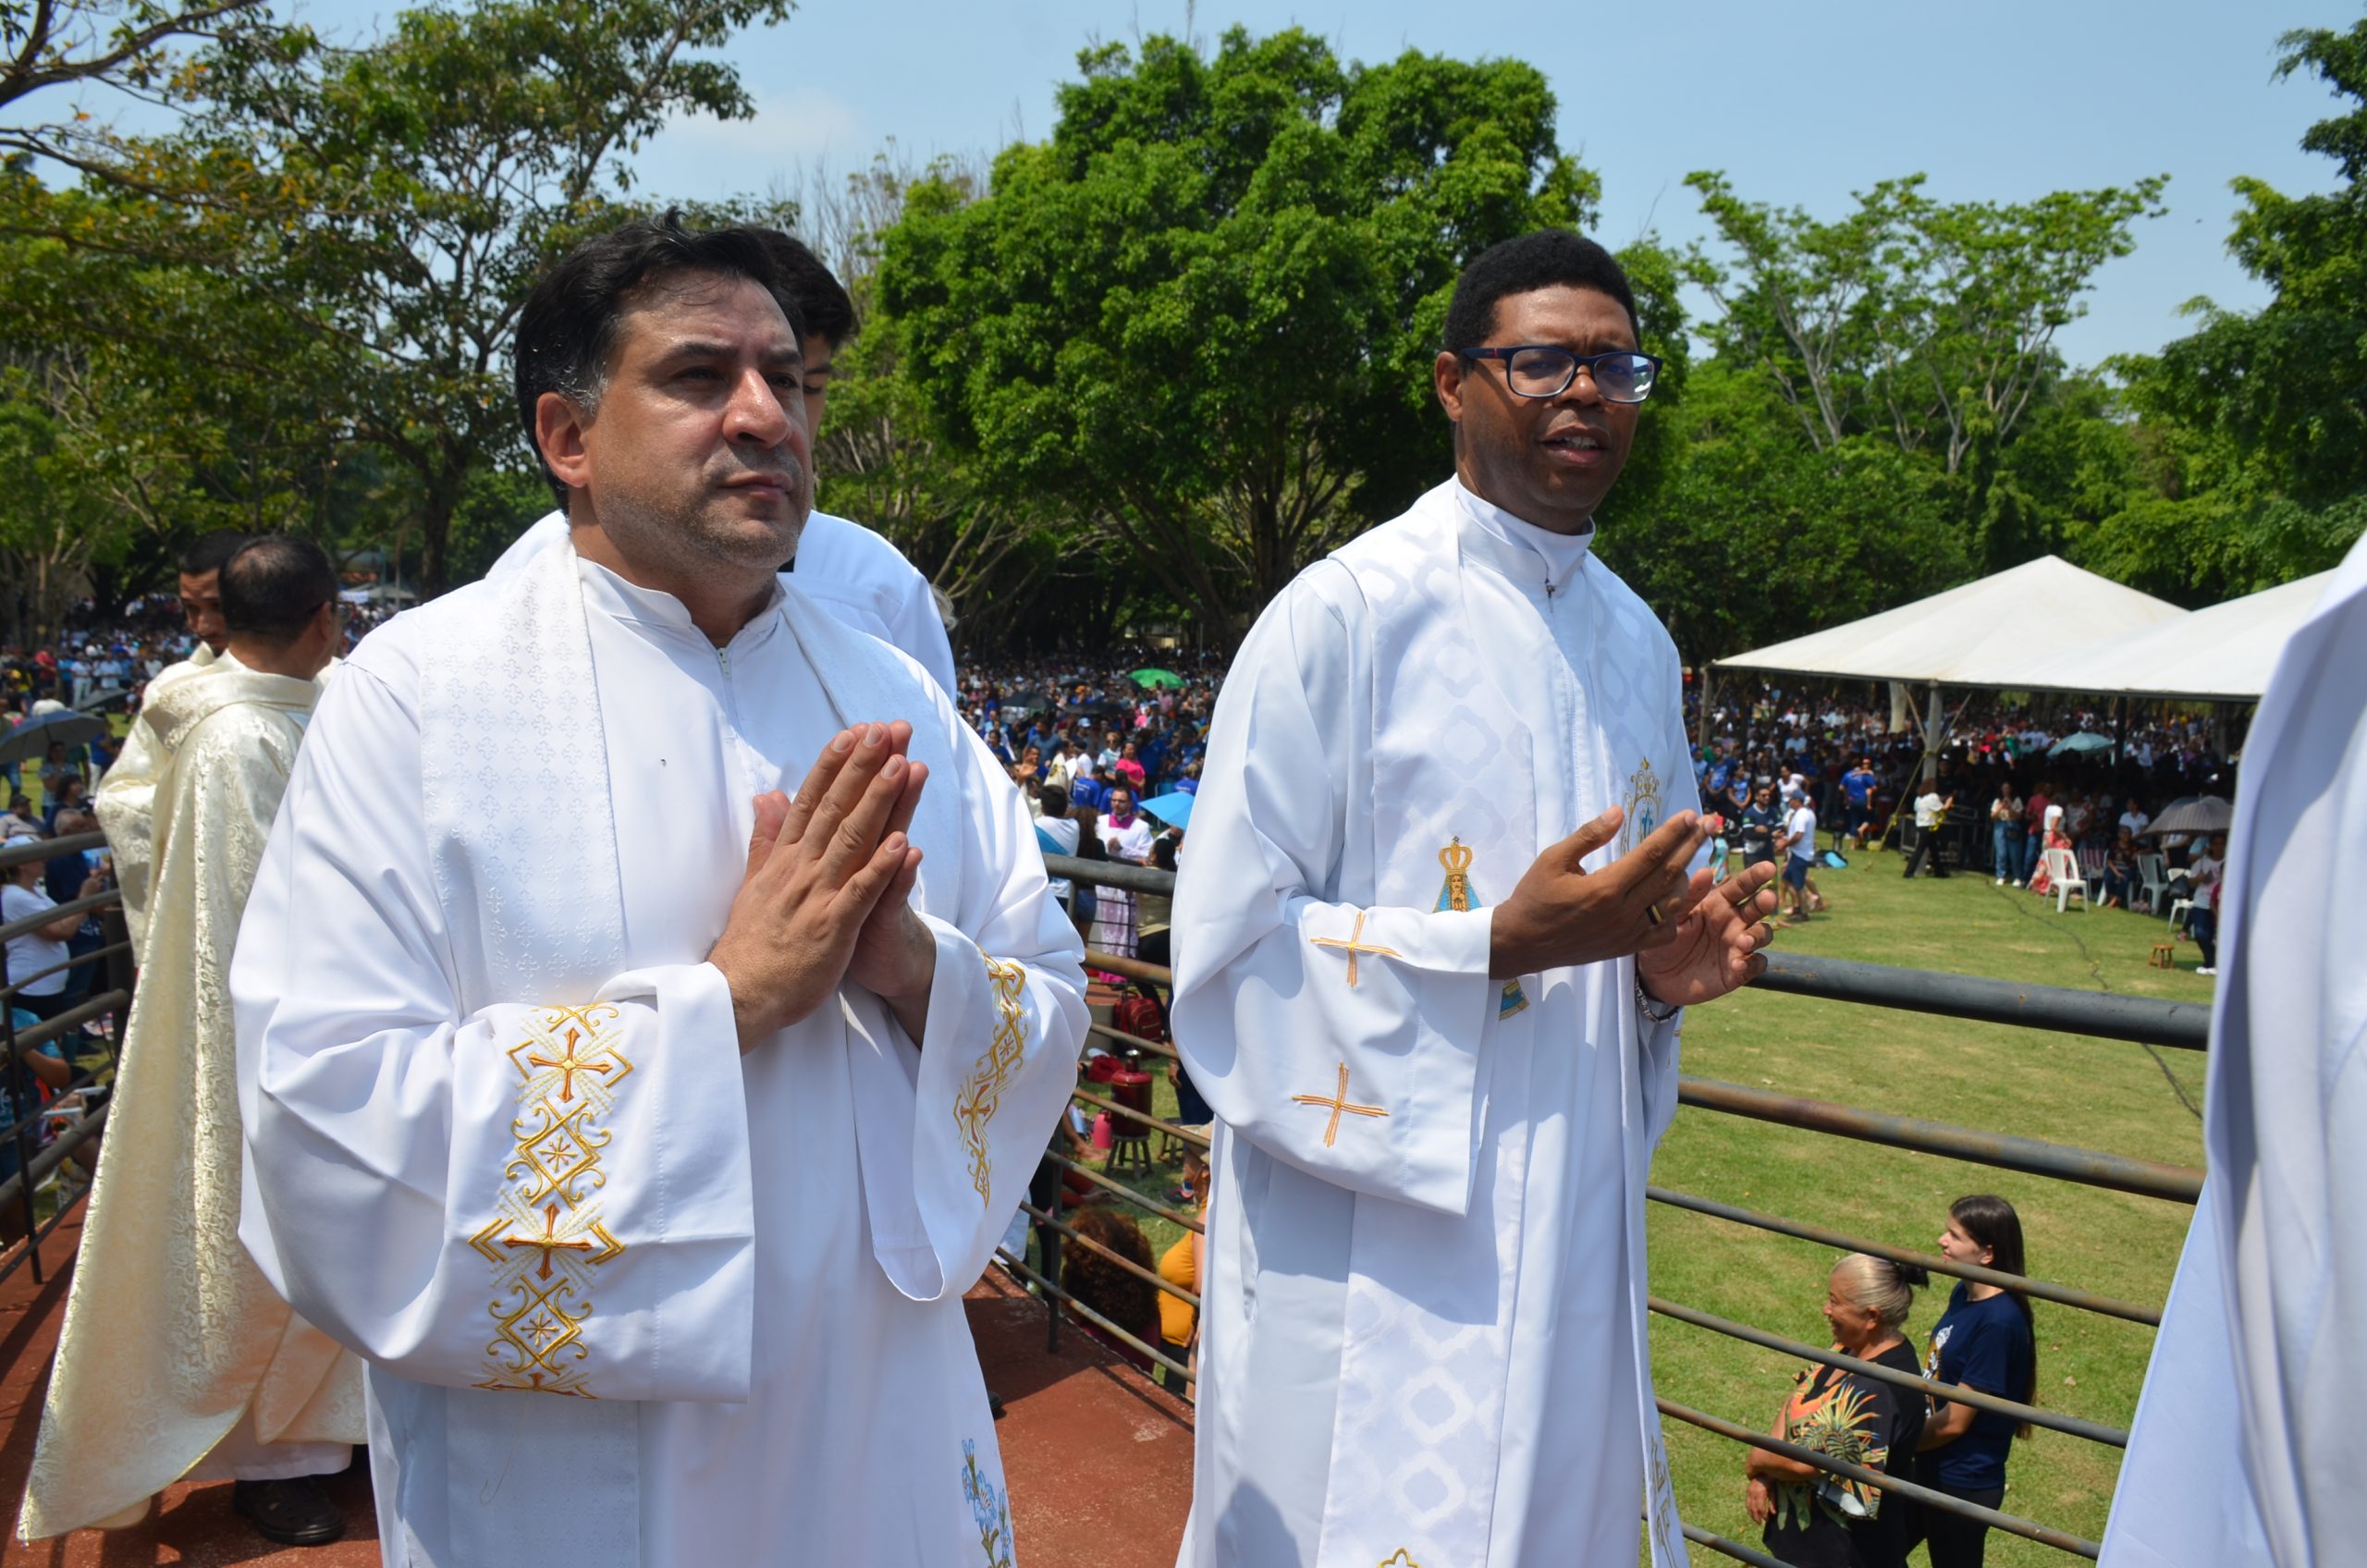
<point x="1935" y="722"/>
<point x="1709" y="690"/>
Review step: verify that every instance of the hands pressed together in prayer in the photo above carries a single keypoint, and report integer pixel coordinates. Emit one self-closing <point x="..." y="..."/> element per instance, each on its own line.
<point x="1694" y="941"/>
<point x="826" y="895"/>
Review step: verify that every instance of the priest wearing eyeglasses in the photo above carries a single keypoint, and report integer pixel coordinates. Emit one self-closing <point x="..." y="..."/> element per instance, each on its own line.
<point x="1435" y="1002"/>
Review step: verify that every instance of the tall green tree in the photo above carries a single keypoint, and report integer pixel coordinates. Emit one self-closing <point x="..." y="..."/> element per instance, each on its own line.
<point x="395" y="200"/>
<point x="1207" y="304"/>
<point x="2258" y="423"/>
<point x="1927" y="324"/>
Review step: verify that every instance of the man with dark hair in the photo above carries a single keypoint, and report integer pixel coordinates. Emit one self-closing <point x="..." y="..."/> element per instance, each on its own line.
<point x="200" y="586"/>
<point x="179" y="1360"/>
<point x="1425" y="1333"/>
<point x="279" y="591"/>
<point x="848" y="569"/>
<point x="634" y="1119"/>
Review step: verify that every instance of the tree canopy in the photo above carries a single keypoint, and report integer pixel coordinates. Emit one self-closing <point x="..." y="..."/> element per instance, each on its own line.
<point x="1140" y="370"/>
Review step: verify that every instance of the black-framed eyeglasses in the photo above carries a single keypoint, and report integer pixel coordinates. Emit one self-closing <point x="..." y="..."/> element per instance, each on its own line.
<point x="1542" y="369"/>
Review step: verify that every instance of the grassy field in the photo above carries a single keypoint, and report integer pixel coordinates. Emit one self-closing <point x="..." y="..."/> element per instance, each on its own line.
<point x="2103" y="1094"/>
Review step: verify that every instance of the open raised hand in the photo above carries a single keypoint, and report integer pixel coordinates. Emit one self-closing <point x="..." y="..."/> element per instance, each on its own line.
<point x="820" y="866"/>
<point x="1561" y="913"/>
<point x="1719" y="935"/>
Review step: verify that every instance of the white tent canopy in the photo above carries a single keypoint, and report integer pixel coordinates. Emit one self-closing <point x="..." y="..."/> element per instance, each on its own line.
<point x="2043" y="614"/>
<point x="2223" y="653"/>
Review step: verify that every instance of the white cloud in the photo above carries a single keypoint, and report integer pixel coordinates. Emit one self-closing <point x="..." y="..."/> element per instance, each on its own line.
<point x="785" y="127"/>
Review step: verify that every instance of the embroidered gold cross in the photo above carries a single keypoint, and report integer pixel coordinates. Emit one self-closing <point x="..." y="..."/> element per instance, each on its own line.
<point x="550" y="1242"/>
<point x="1338" y="1101"/>
<point x="1354" y="946"/>
<point x="570" y="1065"/>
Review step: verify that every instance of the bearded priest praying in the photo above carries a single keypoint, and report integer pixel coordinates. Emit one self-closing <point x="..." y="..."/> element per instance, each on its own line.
<point x="1431" y="946"/>
<point x="640" y="1125"/>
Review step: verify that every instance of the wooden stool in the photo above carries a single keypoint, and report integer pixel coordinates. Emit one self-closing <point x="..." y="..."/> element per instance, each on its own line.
<point x="2164" y="956"/>
<point x="1130" y="1151"/>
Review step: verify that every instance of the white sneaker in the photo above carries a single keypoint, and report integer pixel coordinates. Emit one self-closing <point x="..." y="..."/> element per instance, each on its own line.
<point x="2001" y="881"/>
<point x="2206" y="968"/>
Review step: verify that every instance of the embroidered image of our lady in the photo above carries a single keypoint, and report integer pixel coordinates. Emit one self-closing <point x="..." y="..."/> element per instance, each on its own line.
<point x="1457" y="894"/>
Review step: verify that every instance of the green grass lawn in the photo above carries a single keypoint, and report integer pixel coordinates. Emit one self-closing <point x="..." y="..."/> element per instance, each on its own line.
<point x="2099" y="1094"/>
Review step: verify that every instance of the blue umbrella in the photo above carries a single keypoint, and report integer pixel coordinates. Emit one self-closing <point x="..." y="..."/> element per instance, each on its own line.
<point x="2086" y="741"/>
<point x="29" y="741"/>
<point x="1174" y="810"/>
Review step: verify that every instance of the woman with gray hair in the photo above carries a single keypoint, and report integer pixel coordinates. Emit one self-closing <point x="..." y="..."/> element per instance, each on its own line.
<point x="1813" y="1517"/>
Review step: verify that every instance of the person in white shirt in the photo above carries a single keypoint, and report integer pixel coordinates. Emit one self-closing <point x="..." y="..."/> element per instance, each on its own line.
<point x="1799" y="845"/>
<point x="2202" y="920"/>
<point x="2134" y="820"/>
<point x="616" y="1079"/>
<point x="43" y="947"/>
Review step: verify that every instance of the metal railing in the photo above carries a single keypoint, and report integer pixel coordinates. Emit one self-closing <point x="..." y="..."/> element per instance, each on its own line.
<point x="2055" y="1008"/>
<point x="36" y="1163"/>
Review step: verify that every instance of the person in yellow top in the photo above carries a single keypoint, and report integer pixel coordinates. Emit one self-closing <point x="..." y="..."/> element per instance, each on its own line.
<point x="1179" y="1320"/>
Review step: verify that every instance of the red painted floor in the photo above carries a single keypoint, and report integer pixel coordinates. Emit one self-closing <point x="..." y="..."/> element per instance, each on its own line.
<point x="1098" y="1458"/>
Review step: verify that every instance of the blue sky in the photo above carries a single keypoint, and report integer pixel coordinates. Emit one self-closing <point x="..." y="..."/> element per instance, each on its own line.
<point x="1800" y="105"/>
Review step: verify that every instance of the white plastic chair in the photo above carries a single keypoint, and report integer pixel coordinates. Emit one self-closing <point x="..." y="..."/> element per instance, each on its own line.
<point x="2063" y="870"/>
<point x="2154" y="880"/>
<point x="2178" y="911"/>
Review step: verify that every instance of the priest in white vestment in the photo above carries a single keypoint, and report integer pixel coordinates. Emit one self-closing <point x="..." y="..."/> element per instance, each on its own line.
<point x="126" y="797"/>
<point x="1429" y="948"/>
<point x="2245" y="1446"/>
<point x="177" y="1359"/>
<point x="848" y="569"/>
<point x="641" y="1125"/>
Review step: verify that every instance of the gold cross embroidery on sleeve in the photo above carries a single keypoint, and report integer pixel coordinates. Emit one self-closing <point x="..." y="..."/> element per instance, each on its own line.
<point x="1338" y="1101"/>
<point x="1354" y="946"/>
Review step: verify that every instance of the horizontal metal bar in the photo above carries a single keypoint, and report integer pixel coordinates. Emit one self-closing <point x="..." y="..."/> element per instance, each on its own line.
<point x="1148" y="1276"/>
<point x="1134" y="1042"/>
<point x="1735" y="1549"/>
<point x="2091" y="1168"/>
<point x="12" y="1191"/>
<point x="1132" y="968"/>
<point x="1169" y="1128"/>
<point x="2040" y="1290"/>
<point x="71" y="1019"/>
<point x="2184" y="1025"/>
<point x="1109" y="873"/>
<point x="2095" y="1432"/>
<point x="17" y="988"/>
<point x="1019" y="1266"/>
<point x="31" y="922"/>
<point x="2013" y="1523"/>
<point x="1127" y="1193"/>
<point x="50" y="849"/>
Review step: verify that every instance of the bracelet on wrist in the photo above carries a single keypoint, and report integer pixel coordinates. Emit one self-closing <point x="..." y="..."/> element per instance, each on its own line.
<point x="1654" y="1011"/>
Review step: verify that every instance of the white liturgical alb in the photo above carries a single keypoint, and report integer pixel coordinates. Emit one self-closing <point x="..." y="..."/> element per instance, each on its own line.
<point x="629" y="1295"/>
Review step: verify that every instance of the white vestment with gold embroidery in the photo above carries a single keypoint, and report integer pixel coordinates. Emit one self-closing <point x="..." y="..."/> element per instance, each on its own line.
<point x="626" y="1296"/>
<point x="1424" y="1336"/>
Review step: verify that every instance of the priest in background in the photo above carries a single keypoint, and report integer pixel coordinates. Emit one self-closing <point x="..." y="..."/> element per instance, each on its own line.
<point x="846" y="569"/>
<point x="179" y="1359"/>
<point x="127" y="795"/>
<point x="641" y="1124"/>
<point x="2244" y="1448"/>
<point x="1431" y="946"/>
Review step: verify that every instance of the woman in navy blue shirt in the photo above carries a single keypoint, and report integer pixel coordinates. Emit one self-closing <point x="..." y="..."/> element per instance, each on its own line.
<point x="1984" y="1341"/>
